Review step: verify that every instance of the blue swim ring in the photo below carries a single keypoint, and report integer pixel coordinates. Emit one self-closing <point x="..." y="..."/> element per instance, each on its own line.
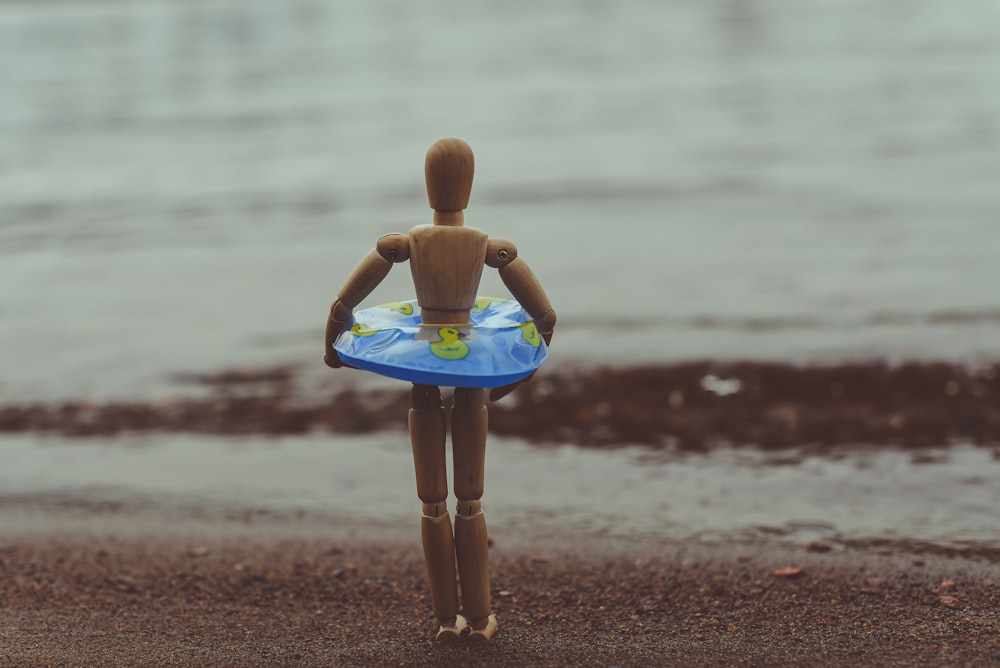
<point x="500" y="346"/>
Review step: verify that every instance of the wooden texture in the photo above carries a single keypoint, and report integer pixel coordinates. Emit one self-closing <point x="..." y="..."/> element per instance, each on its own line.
<point x="500" y="252"/>
<point x="526" y="289"/>
<point x="472" y="550"/>
<point x="447" y="264"/>
<point x="371" y="271"/>
<point x="428" y="431"/>
<point x="394" y="247"/>
<point x="366" y="276"/>
<point x="468" y="441"/>
<point x="449" y="168"/>
<point x="439" y="554"/>
<point x="340" y="314"/>
<point x="449" y="218"/>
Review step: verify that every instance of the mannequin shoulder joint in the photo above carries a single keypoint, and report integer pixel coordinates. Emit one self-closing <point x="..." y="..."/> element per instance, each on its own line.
<point x="394" y="247"/>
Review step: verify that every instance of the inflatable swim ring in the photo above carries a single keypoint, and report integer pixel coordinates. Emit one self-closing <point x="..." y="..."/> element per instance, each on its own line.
<point x="501" y="345"/>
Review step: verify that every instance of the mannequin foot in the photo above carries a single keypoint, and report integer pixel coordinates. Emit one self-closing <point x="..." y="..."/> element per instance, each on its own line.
<point x="451" y="633"/>
<point x="485" y="633"/>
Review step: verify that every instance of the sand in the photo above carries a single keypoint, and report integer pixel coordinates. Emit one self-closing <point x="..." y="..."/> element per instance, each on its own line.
<point x="261" y="598"/>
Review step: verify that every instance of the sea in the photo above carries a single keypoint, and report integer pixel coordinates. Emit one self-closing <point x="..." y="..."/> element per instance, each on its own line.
<point x="184" y="185"/>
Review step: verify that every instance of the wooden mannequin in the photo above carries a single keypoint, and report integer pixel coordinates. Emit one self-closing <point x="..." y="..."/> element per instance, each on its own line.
<point x="446" y="260"/>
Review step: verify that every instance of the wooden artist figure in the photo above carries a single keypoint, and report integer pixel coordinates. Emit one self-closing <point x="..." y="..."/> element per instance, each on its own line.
<point x="448" y="336"/>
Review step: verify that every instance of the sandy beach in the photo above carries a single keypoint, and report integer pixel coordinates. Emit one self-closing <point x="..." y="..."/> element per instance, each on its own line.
<point x="268" y="597"/>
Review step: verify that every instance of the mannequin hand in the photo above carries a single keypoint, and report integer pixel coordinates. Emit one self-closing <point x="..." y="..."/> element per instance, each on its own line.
<point x="333" y="329"/>
<point x="332" y="359"/>
<point x="498" y="393"/>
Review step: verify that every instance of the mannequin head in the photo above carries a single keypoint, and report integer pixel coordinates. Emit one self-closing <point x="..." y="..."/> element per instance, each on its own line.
<point x="448" y="169"/>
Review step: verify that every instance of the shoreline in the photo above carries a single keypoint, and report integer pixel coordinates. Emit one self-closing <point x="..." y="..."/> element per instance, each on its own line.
<point x="262" y="597"/>
<point x="692" y="406"/>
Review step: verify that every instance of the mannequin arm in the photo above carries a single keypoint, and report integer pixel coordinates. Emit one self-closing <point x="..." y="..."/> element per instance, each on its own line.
<point x="371" y="271"/>
<point x="525" y="288"/>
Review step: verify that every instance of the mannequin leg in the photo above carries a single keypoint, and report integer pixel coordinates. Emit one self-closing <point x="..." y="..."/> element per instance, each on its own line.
<point x="468" y="435"/>
<point x="427" y="436"/>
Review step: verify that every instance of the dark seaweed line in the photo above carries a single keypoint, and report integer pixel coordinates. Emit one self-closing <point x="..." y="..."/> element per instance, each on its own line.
<point x="690" y="406"/>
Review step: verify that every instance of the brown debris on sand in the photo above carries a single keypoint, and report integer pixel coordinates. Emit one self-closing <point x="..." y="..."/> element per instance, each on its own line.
<point x="689" y="406"/>
<point x="696" y="405"/>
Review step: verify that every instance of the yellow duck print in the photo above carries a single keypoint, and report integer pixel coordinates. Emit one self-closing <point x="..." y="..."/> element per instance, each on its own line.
<point x="362" y="330"/>
<point x="399" y="307"/>
<point x="451" y="346"/>
<point x="530" y="333"/>
<point x="483" y="303"/>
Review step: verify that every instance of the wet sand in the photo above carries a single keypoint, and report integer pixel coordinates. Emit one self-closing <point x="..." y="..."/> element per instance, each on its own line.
<point x="267" y="598"/>
<point x="688" y="406"/>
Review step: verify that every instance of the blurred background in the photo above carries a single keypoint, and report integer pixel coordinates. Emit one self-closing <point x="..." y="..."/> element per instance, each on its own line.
<point x="185" y="184"/>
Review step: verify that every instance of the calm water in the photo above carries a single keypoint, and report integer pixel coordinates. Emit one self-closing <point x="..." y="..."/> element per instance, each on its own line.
<point x="184" y="185"/>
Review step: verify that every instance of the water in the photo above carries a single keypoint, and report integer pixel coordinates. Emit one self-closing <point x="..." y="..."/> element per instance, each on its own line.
<point x="184" y="185"/>
<point x="364" y="486"/>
